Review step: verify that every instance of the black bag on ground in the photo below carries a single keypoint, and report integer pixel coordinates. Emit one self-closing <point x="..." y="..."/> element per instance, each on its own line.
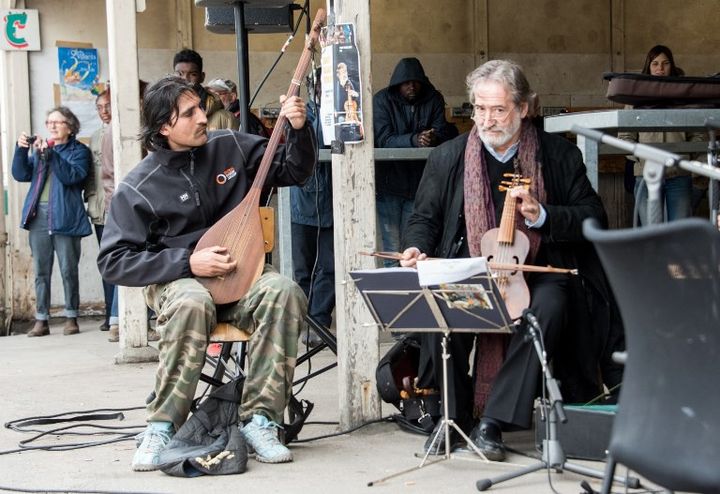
<point x="395" y="376"/>
<point x="209" y="443"/>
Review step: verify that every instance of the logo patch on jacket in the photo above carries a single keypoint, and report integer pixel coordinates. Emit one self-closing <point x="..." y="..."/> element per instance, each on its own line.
<point x="227" y="174"/>
<point x="184" y="197"/>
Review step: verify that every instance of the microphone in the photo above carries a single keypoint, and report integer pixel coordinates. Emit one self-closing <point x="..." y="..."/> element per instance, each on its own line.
<point x="556" y="401"/>
<point x="531" y="319"/>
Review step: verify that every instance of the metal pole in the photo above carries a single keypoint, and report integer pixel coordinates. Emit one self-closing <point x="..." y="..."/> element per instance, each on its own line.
<point x="243" y="61"/>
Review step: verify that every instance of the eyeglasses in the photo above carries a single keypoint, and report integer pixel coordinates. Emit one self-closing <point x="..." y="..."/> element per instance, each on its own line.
<point x="497" y="113"/>
<point x="103" y="107"/>
<point x="52" y="123"/>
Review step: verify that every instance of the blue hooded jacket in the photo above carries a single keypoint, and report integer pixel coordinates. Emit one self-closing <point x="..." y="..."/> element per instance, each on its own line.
<point x="69" y="164"/>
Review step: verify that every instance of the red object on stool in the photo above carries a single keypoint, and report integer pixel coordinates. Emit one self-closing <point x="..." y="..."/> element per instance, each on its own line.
<point x="213" y="349"/>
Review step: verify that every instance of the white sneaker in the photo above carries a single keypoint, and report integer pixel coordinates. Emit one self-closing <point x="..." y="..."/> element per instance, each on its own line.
<point x="154" y="439"/>
<point x="261" y="435"/>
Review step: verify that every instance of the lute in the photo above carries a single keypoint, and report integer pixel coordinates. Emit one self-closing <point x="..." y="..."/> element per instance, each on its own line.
<point x="240" y="230"/>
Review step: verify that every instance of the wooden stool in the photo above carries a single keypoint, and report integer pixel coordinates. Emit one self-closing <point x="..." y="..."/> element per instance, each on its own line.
<point x="225" y="334"/>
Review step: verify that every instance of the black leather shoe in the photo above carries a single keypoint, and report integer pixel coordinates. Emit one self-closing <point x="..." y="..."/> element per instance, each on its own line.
<point x="488" y="438"/>
<point x="439" y="447"/>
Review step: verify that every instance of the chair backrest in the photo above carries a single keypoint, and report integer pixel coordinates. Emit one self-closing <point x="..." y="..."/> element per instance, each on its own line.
<point x="666" y="279"/>
<point x="267" y="223"/>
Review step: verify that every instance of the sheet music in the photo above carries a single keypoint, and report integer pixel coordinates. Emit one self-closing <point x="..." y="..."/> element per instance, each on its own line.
<point x="437" y="271"/>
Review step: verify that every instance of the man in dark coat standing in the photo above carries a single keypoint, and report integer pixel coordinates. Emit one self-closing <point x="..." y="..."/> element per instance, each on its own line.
<point x="458" y="201"/>
<point x="410" y="112"/>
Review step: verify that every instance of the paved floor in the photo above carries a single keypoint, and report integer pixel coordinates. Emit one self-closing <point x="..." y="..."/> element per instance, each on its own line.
<point x="54" y="374"/>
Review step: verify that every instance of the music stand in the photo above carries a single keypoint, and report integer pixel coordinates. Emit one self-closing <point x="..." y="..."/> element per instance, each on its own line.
<point x="447" y="296"/>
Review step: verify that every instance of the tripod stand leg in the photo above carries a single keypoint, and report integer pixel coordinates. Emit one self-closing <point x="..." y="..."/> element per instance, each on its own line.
<point x="440" y="432"/>
<point x="485" y="484"/>
<point x="631" y="482"/>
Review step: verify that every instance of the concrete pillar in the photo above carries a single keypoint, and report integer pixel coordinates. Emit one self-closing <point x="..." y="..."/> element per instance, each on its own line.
<point x="354" y="224"/>
<point x="16" y="274"/>
<point x="183" y="24"/>
<point x="125" y="100"/>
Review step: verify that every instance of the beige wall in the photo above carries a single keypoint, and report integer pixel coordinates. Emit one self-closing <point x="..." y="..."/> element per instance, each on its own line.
<point x="691" y="29"/>
<point x="564" y="45"/>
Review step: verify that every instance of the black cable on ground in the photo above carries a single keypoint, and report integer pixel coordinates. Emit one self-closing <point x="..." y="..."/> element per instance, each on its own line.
<point x="73" y="491"/>
<point x="388" y="420"/>
<point x="117" y="433"/>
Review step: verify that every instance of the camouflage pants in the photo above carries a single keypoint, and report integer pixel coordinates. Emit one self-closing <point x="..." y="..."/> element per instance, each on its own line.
<point x="272" y="311"/>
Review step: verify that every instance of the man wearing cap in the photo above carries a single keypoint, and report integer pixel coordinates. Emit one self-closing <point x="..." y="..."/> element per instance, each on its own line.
<point x="226" y="91"/>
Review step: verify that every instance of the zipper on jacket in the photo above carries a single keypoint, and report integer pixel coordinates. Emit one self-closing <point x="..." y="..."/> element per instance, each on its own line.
<point x="196" y="193"/>
<point x="50" y="196"/>
<point x="32" y="207"/>
<point x="193" y="188"/>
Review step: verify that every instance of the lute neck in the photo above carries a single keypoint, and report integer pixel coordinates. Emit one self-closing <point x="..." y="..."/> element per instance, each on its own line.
<point x="506" y="233"/>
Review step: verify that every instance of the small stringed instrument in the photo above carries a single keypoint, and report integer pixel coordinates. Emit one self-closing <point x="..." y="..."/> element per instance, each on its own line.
<point x="507" y="246"/>
<point x="351" y="107"/>
<point x="240" y="230"/>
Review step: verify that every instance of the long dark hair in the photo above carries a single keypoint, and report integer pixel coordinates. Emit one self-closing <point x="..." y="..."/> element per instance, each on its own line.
<point x="656" y="51"/>
<point x="159" y="105"/>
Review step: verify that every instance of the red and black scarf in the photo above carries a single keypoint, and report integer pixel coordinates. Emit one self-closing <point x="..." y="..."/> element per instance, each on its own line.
<point x="479" y="218"/>
<point x="479" y="207"/>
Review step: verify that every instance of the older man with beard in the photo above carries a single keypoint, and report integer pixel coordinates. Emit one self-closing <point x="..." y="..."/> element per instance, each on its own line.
<point x="459" y="200"/>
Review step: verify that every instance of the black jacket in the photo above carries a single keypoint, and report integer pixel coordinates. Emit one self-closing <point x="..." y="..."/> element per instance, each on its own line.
<point x="167" y="202"/>
<point x="397" y="122"/>
<point x="437" y="227"/>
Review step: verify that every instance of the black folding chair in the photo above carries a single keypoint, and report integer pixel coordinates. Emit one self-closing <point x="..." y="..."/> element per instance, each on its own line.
<point x="666" y="279"/>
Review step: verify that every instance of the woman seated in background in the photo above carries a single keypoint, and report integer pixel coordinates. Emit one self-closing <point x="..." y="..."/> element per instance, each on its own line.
<point x="677" y="187"/>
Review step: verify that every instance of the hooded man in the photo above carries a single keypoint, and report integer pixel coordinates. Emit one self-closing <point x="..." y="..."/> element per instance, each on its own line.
<point x="410" y="112"/>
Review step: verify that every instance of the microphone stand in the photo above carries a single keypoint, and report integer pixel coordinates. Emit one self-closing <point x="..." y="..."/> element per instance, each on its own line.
<point x="655" y="162"/>
<point x="553" y="455"/>
<point x="712" y="160"/>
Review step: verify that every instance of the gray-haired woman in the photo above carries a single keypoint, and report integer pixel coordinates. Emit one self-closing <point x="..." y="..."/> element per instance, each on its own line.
<point x="54" y="211"/>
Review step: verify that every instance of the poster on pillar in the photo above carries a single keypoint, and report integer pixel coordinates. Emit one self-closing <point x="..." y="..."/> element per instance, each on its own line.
<point x="79" y="77"/>
<point x="21" y="30"/>
<point x="341" y="100"/>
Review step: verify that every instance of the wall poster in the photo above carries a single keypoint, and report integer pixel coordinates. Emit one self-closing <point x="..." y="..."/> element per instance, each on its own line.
<point x="341" y="98"/>
<point x="79" y="76"/>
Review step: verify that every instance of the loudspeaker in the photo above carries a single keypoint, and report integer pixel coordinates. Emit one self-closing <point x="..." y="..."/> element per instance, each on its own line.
<point x="221" y="20"/>
<point x="585" y="435"/>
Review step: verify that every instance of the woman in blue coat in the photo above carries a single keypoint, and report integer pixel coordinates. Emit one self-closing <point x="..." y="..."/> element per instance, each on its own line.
<point x="54" y="212"/>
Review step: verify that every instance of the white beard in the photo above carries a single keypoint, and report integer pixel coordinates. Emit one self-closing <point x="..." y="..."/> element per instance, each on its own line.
<point x="500" y="136"/>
